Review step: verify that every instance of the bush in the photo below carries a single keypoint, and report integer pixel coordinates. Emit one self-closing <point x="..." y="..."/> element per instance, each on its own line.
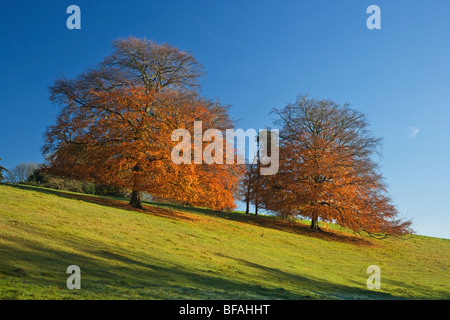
<point x="40" y="178"/>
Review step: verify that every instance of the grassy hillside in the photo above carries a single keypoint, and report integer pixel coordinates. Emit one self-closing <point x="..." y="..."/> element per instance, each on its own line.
<point x="169" y="252"/>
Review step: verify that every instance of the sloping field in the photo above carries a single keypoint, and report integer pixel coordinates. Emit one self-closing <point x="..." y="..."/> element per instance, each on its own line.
<point x="171" y="252"/>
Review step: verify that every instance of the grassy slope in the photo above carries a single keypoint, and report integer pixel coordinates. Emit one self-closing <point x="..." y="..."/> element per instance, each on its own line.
<point x="196" y="254"/>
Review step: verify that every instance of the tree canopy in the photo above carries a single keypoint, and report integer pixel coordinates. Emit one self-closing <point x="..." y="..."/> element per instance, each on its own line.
<point x="327" y="170"/>
<point x="116" y="123"/>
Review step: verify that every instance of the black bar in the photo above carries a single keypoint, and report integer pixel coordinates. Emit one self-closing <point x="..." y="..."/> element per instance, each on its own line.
<point x="215" y="309"/>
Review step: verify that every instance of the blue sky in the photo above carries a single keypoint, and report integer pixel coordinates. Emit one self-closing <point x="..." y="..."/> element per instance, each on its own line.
<point x="259" y="55"/>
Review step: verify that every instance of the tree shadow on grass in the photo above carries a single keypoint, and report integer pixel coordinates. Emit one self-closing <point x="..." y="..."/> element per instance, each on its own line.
<point x="272" y="223"/>
<point x="120" y="275"/>
<point x="325" y="289"/>
<point x="186" y="213"/>
<point x="108" y="202"/>
<point x="409" y="286"/>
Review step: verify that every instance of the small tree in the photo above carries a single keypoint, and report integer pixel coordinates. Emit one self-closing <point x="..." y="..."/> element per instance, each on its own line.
<point x="1" y="173"/>
<point x="246" y="186"/>
<point x="251" y="182"/>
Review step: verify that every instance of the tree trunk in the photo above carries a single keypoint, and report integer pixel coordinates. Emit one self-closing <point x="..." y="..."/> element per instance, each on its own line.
<point x="258" y="174"/>
<point x="135" y="194"/>
<point x="136" y="199"/>
<point x="315" y="223"/>
<point x="249" y="188"/>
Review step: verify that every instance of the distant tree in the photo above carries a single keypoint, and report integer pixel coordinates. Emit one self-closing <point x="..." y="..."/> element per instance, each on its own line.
<point x="21" y="172"/>
<point x="327" y="170"/>
<point x="246" y="186"/>
<point x="250" y="190"/>
<point x="249" y="185"/>
<point x="1" y="172"/>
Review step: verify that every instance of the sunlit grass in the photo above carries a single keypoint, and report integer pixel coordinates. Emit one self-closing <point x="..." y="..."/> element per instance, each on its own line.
<point x="174" y="252"/>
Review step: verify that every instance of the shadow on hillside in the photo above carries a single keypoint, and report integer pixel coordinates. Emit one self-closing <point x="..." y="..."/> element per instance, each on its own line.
<point x="156" y="280"/>
<point x="178" y="212"/>
<point x="327" y="289"/>
<point x="110" y="272"/>
<point x="108" y="202"/>
<point x="272" y="223"/>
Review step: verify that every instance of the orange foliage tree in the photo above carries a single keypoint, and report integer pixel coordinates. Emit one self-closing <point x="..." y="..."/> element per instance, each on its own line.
<point x="327" y="170"/>
<point x="117" y="120"/>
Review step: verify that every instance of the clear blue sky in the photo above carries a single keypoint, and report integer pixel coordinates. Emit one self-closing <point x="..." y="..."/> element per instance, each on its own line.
<point x="259" y="55"/>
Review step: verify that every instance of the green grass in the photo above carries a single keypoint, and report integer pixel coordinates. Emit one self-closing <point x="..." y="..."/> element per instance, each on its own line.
<point x="173" y="252"/>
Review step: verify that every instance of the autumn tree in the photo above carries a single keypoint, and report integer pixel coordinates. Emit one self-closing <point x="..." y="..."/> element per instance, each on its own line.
<point x="327" y="170"/>
<point x="116" y="123"/>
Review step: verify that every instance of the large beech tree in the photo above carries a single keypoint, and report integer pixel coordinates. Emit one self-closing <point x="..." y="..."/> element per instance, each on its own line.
<point x="116" y="122"/>
<point x="327" y="170"/>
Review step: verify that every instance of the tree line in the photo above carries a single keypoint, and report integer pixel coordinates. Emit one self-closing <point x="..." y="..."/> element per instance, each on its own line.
<point x="115" y="128"/>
